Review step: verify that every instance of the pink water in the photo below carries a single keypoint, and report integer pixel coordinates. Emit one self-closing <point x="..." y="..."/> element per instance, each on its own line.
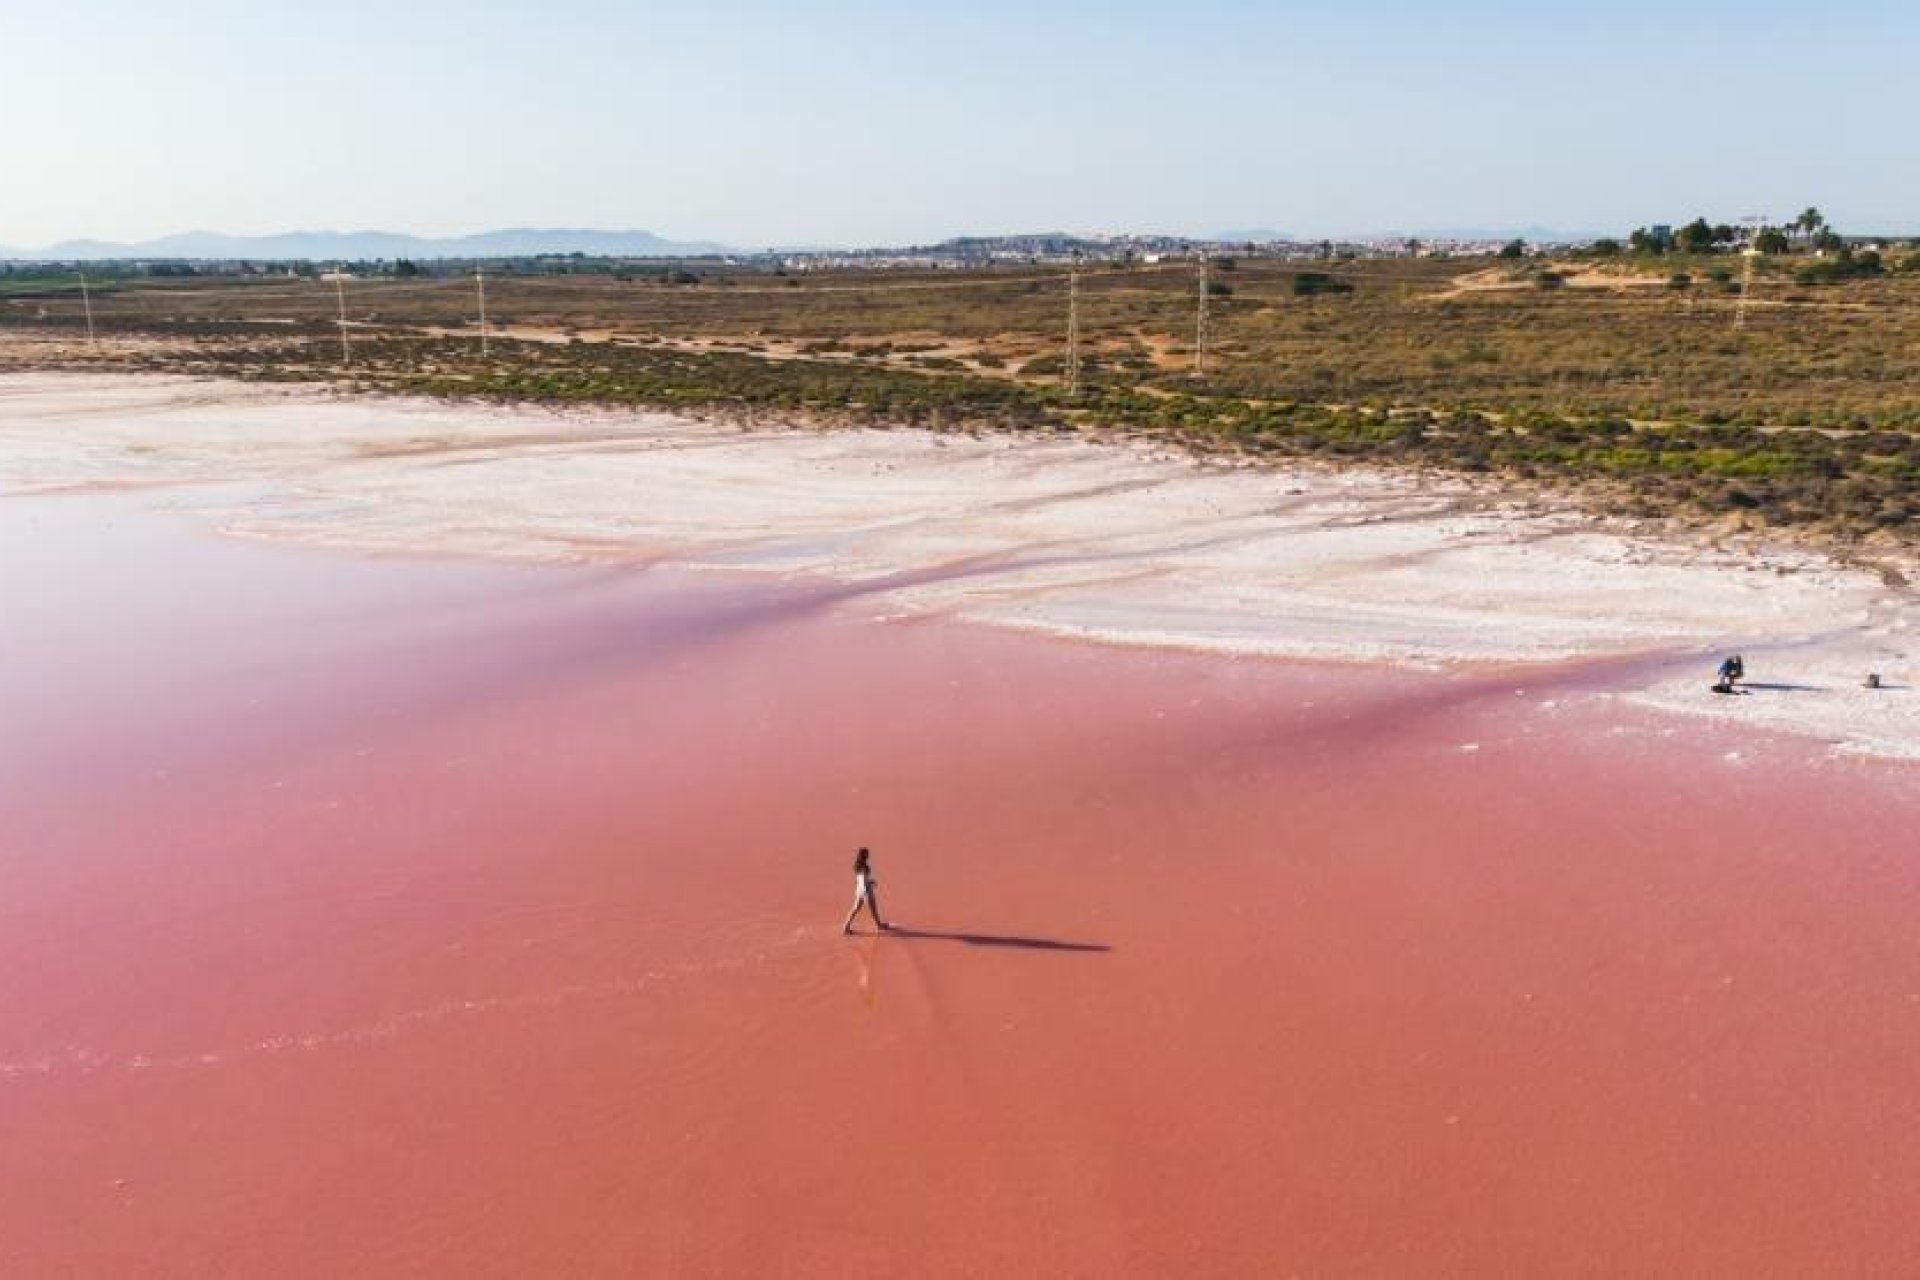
<point x="387" y="917"/>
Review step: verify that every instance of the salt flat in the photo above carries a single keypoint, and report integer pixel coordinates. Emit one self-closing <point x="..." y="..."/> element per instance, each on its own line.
<point x="1122" y="542"/>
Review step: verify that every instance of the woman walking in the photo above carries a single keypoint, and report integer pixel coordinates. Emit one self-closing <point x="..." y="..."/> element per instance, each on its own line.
<point x="863" y="893"/>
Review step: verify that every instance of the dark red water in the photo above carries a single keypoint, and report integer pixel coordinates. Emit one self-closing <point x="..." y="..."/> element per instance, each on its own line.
<point x="364" y="917"/>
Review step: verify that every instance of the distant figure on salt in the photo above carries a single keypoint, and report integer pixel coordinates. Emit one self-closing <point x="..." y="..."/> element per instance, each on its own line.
<point x="863" y="893"/>
<point x="1730" y="671"/>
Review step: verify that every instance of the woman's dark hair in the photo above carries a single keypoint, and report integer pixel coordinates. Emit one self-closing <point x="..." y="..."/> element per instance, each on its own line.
<point x="860" y="859"/>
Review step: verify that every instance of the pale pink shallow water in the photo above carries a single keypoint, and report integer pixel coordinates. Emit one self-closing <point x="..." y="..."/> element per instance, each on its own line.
<point x="379" y="917"/>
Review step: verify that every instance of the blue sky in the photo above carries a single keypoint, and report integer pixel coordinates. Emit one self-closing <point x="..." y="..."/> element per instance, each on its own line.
<point x="757" y="123"/>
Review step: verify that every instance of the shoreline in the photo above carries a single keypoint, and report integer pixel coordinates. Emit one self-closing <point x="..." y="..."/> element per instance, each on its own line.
<point x="1117" y="541"/>
<point x="1609" y="503"/>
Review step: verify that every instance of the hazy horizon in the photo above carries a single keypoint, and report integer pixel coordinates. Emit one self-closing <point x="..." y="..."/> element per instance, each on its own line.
<point x="752" y="124"/>
<point x="456" y="244"/>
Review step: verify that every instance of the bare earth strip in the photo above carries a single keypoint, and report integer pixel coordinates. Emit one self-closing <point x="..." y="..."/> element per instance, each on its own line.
<point x="1118" y="542"/>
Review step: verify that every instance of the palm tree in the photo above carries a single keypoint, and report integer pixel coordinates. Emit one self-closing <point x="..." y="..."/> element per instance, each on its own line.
<point x="1809" y="223"/>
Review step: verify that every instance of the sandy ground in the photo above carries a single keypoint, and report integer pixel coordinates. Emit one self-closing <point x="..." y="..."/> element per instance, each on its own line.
<point x="1119" y="542"/>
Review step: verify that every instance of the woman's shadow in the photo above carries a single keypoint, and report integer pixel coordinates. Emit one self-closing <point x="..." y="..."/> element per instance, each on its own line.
<point x="992" y="939"/>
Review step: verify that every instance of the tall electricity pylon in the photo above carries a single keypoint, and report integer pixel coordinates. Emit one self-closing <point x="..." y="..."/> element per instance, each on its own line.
<point x="86" y="302"/>
<point x="480" y="290"/>
<point x="340" y="292"/>
<point x="1754" y="226"/>
<point x="1073" y="335"/>
<point x="1200" y="325"/>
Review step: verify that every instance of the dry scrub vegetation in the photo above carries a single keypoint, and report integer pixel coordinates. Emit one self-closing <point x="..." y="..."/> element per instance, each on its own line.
<point x="1601" y="378"/>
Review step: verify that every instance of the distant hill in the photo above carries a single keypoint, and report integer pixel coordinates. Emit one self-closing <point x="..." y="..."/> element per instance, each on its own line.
<point x="322" y="246"/>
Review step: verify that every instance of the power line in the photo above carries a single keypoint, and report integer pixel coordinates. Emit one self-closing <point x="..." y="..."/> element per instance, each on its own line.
<point x="86" y="301"/>
<point x="1754" y="226"/>
<point x="340" y="291"/>
<point x="1073" y="334"/>
<point x="480" y="287"/>
<point x="1109" y="284"/>
<point x="1200" y="325"/>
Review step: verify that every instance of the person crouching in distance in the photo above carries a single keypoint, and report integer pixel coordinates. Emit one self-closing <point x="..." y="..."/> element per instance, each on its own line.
<point x="864" y="894"/>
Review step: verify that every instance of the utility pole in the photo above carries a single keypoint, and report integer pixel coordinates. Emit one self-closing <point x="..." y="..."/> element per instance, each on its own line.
<point x="480" y="289"/>
<point x="1754" y="226"/>
<point x="1073" y="335"/>
<point x="340" y="292"/>
<point x="1200" y="325"/>
<point x="86" y="301"/>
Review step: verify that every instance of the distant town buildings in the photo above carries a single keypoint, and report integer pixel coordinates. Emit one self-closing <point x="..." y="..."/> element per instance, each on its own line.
<point x="1063" y="250"/>
<point x="963" y="253"/>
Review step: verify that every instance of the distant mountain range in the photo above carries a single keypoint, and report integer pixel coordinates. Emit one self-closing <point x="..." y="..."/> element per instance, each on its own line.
<point x="526" y="242"/>
<point x="324" y="246"/>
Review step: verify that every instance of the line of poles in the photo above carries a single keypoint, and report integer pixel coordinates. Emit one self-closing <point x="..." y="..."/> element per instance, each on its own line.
<point x="1073" y="365"/>
<point x="340" y="292"/>
<point x="86" y="301"/>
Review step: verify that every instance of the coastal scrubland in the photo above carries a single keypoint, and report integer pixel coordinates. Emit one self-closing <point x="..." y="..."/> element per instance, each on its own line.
<point x="1659" y="389"/>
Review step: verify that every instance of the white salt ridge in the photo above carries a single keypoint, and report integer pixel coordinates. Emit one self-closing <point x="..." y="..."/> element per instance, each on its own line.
<point x="1122" y="543"/>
